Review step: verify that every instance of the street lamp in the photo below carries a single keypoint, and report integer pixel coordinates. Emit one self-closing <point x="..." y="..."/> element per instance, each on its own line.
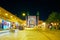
<point x="24" y="14"/>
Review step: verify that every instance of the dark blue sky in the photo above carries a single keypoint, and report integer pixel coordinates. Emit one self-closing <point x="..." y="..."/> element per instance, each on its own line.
<point x="45" y="7"/>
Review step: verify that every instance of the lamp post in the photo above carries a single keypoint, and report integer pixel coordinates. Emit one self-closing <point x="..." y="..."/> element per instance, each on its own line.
<point x="24" y="15"/>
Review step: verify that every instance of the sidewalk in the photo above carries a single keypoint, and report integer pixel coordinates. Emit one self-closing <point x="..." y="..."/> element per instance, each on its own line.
<point x="4" y="31"/>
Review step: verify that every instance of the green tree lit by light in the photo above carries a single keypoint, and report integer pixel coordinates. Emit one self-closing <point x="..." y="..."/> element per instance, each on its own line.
<point x="53" y="17"/>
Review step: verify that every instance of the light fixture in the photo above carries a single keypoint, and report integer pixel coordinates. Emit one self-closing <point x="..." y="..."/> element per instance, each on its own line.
<point x="23" y="14"/>
<point x="6" y="14"/>
<point x="11" y="16"/>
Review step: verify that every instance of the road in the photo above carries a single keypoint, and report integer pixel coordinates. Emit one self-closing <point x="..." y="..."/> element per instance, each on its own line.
<point x="31" y="35"/>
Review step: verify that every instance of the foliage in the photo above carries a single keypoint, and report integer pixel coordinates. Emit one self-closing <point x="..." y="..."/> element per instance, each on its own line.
<point x="53" y="17"/>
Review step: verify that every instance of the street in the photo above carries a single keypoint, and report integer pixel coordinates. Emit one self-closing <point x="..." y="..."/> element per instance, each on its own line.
<point x="31" y="35"/>
<point x="29" y="20"/>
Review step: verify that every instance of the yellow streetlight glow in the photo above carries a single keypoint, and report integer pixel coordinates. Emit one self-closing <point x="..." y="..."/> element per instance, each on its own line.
<point x="23" y="14"/>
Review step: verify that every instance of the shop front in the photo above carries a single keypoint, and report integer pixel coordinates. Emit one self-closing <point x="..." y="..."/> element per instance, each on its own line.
<point x="0" y="24"/>
<point x="5" y="25"/>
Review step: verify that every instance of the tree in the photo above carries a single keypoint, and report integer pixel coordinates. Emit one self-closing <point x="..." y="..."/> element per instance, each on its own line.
<point x="52" y="17"/>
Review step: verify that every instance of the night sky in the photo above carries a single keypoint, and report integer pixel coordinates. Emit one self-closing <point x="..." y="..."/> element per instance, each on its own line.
<point x="45" y="7"/>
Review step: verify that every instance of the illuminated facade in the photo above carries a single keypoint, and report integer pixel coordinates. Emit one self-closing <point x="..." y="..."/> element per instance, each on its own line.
<point x="4" y="14"/>
<point x="32" y="21"/>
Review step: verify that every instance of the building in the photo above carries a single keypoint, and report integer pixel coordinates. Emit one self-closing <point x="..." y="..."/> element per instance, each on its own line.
<point x="6" y="15"/>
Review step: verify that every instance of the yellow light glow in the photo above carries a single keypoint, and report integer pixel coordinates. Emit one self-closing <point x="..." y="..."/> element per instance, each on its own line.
<point x="43" y="26"/>
<point x="11" y="16"/>
<point x="6" y="14"/>
<point x="52" y="23"/>
<point x="44" y="23"/>
<point x="55" y="24"/>
<point x="23" y="14"/>
<point x="15" y="18"/>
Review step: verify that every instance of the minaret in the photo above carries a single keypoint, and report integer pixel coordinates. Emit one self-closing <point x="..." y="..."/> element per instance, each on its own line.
<point x="27" y="19"/>
<point x="37" y="18"/>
